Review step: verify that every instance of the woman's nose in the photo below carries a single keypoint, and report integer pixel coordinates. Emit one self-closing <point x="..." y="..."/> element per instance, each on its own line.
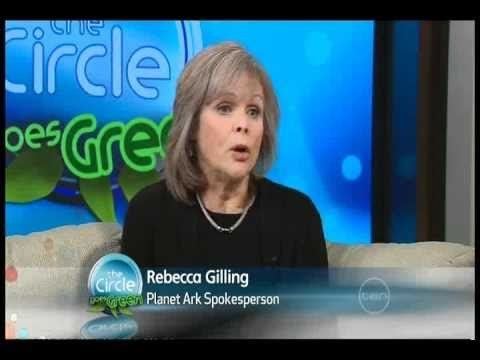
<point x="241" y="128"/>
<point x="241" y="125"/>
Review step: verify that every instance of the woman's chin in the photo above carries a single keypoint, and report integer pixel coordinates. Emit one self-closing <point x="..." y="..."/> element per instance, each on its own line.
<point x="238" y="172"/>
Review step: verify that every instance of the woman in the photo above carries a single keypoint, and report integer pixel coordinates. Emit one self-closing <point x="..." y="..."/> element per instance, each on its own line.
<point x="214" y="208"/>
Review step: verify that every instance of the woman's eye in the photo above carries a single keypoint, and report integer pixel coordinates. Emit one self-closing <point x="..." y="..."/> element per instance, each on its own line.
<point x="253" y="112"/>
<point x="224" y="109"/>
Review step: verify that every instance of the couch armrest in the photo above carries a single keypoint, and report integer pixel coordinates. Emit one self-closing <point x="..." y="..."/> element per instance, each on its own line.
<point x="55" y="264"/>
<point x="415" y="255"/>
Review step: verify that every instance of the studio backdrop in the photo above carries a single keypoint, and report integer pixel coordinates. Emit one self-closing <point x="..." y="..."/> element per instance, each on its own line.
<point x="89" y="106"/>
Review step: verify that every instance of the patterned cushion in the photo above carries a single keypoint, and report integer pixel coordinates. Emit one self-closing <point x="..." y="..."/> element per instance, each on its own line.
<point x="56" y="263"/>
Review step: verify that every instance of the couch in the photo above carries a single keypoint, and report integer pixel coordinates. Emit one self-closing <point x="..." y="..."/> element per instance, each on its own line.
<point x="61" y="258"/>
<point x="52" y="267"/>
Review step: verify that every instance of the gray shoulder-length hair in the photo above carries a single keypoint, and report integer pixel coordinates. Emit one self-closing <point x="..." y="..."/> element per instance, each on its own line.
<point x="204" y="78"/>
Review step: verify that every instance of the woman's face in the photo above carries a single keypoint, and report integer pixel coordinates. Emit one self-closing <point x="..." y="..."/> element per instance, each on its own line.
<point x="231" y="129"/>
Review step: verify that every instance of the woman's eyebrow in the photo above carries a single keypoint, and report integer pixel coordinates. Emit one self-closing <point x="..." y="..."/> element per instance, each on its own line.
<point x="226" y="94"/>
<point x="233" y="95"/>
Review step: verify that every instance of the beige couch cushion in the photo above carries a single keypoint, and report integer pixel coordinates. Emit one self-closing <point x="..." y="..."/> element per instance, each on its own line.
<point x="56" y="263"/>
<point x="415" y="255"/>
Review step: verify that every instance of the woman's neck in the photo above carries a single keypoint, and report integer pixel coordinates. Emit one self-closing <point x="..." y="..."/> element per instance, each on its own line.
<point x="229" y="197"/>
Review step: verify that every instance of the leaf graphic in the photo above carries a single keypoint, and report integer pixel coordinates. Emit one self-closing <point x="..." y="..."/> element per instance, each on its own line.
<point x="132" y="181"/>
<point x="33" y="174"/>
<point x="164" y="130"/>
<point x="114" y="312"/>
<point x="98" y="196"/>
<point x="125" y="311"/>
<point x="97" y="308"/>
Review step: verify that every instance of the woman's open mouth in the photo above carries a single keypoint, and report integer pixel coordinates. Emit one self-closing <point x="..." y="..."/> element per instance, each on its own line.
<point x="240" y="152"/>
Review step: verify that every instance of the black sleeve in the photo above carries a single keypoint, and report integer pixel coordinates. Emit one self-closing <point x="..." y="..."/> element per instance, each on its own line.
<point x="137" y="236"/>
<point x="312" y="251"/>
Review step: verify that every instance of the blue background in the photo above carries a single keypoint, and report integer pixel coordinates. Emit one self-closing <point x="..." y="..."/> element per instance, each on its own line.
<point x="403" y="224"/>
<point x="323" y="74"/>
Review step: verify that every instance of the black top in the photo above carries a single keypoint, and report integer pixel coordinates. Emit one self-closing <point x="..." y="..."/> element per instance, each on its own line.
<point x="282" y="228"/>
<point x="240" y="247"/>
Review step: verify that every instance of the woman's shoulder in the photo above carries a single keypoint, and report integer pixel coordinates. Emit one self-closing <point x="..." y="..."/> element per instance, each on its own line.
<point x="151" y="194"/>
<point x="279" y="193"/>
